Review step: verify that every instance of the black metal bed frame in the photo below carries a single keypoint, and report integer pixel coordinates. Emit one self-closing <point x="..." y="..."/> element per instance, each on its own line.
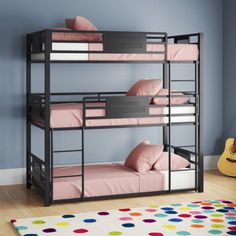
<point x="39" y="171"/>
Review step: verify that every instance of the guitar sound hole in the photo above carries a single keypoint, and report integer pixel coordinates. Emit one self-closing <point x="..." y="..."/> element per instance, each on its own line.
<point x="233" y="150"/>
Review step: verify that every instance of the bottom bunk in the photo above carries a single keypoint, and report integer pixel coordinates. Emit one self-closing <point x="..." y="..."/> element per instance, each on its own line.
<point x="149" y="169"/>
<point x="116" y="179"/>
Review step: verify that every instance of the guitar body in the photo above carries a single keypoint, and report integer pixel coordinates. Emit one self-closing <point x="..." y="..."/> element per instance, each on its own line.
<point x="227" y="161"/>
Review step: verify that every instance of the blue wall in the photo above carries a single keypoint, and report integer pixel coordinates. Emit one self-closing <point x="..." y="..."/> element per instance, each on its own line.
<point x="175" y="17"/>
<point x="229" y="69"/>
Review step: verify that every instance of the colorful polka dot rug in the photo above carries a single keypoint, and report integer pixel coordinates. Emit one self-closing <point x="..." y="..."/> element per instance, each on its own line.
<point x="200" y="218"/>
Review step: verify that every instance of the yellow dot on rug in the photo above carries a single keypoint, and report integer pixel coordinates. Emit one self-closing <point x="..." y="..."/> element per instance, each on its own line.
<point x="154" y="206"/>
<point x="115" y="233"/>
<point x="38" y="222"/>
<point x="217" y="226"/>
<point x="169" y="226"/>
<point x="185" y="208"/>
<point x="217" y="215"/>
<point x="219" y="205"/>
<point x="63" y="223"/>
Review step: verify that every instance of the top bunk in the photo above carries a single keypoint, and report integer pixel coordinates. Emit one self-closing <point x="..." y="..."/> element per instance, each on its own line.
<point x="80" y="46"/>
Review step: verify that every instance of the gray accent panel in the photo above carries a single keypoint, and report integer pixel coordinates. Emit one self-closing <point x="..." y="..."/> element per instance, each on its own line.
<point x="128" y="107"/>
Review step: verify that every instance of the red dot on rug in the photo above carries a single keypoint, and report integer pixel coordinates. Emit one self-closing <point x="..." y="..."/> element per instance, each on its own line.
<point x="156" y="234"/>
<point x="184" y="215"/>
<point x="13" y="221"/>
<point x="232" y="227"/>
<point x="80" y="231"/>
<point x="124" y="209"/>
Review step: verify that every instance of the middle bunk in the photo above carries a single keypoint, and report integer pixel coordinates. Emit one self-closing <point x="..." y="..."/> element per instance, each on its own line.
<point x="115" y="109"/>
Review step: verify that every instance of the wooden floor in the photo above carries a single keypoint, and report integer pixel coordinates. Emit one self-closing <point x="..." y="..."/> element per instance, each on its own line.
<point x="19" y="202"/>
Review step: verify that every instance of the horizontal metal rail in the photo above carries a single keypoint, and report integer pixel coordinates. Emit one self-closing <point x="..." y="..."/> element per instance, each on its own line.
<point x="104" y="52"/>
<point x="66" y="176"/>
<point x="61" y="151"/>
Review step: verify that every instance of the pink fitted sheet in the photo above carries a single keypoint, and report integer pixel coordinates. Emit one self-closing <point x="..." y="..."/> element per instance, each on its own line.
<point x="104" y="179"/>
<point x="71" y="115"/>
<point x="175" y="52"/>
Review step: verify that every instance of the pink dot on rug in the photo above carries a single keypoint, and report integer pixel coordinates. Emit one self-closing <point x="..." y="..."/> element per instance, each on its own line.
<point x="80" y="231"/>
<point x="184" y="215"/>
<point x="195" y="212"/>
<point x="156" y="234"/>
<point x="126" y="218"/>
<point x="124" y="209"/>
<point x="150" y="210"/>
<point x="231" y="214"/>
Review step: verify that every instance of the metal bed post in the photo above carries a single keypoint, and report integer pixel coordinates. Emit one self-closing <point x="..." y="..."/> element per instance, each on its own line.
<point x="169" y="127"/>
<point x="165" y="83"/>
<point x="196" y="144"/>
<point x="52" y="163"/>
<point x="200" y="122"/>
<point x="47" y="153"/>
<point x="28" y="124"/>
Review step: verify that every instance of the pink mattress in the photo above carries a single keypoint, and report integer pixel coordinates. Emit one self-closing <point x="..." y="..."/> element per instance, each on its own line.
<point x="71" y="115"/>
<point x="104" y="179"/>
<point x="176" y="52"/>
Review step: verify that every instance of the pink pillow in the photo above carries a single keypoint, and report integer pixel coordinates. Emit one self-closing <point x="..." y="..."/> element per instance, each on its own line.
<point x="81" y="23"/>
<point x="145" y="87"/>
<point x="177" y="162"/>
<point x="174" y="101"/>
<point x="143" y="156"/>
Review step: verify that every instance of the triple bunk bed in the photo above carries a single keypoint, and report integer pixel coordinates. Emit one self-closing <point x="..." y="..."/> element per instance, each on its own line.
<point x="100" y="110"/>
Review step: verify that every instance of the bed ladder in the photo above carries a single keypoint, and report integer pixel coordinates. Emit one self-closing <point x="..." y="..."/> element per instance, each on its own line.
<point x="81" y="150"/>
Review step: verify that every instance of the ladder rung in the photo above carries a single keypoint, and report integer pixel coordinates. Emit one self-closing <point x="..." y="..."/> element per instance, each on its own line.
<point x="181" y="80"/>
<point x="76" y="150"/>
<point x="66" y="176"/>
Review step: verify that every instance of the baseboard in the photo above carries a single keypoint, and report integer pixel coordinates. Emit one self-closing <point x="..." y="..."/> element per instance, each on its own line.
<point x="17" y="176"/>
<point x="210" y="162"/>
<point x="12" y="176"/>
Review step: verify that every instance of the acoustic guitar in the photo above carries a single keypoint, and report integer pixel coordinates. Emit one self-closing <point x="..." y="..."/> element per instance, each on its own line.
<point x="227" y="161"/>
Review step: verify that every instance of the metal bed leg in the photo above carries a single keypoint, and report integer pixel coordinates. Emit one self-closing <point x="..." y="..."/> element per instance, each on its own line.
<point x="200" y="128"/>
<point x="165" y="129"/>
<point x="82" y="164"/>
<point x="196" y="127"/>
<point x="28" y="125"/>
<point x="47" y="146"/>
<point x="47" y="193"/>
<point x="28" y="157"/>
<point x="52" y="164"/>
<point x="169" y="127"/>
